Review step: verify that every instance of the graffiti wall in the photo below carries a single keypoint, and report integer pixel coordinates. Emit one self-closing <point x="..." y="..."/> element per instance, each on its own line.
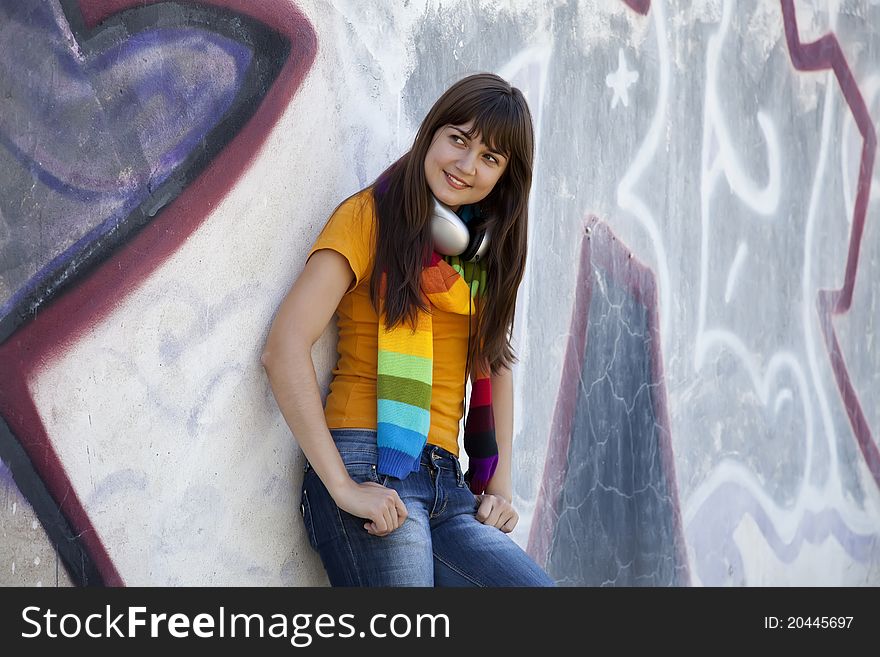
<point x="697" y="396"/>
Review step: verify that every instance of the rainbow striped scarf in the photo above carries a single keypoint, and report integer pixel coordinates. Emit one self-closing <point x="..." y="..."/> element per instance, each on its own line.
<point x="405" y="373"/>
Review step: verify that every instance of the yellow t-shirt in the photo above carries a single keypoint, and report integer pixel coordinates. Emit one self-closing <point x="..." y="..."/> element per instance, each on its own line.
<point x="351" y="231"/>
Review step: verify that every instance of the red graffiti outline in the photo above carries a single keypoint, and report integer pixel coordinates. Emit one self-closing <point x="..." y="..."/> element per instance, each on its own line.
<point x="35" y="344"/>
<point x="639" y="6"/>
<point x="602" y="246"/>
<point x="823" y="54"/>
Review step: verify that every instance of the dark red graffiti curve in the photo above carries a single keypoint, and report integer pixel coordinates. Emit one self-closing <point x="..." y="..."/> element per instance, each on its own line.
<point x="821" y="55"/>
<point x="57" y="326"/>
<point x="601" y="246"/>
<point x="639" y="6"/>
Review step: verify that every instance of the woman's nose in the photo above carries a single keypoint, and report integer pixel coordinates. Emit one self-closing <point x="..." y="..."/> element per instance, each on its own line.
<point x="468" y="162"/>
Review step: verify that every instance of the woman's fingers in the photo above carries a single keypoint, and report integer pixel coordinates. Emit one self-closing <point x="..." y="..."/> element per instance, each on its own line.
<point x="384" y="522"/>
<point x="510" y="523"/>
<point x="381" y="522"/>
<point x="388" y="511"/>
<point x="402" y="513"/>
<point x="496" y="512"/>
<point x="488" y="511"/>
<point x="391" y="515"/>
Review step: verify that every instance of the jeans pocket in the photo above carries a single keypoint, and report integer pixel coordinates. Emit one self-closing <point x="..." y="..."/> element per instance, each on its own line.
<point x="360" y="462"/>
<point x="325" y="521"/>
<point x="362" y="472"/>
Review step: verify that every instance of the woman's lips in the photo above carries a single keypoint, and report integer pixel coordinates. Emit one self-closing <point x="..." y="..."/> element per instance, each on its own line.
<point x="454" y="182"/>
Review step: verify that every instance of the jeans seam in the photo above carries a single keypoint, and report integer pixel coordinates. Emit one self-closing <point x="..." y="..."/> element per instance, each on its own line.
<point x="435" y="471"/>
<point x="442" y="492"/>
<point x="354" y="561"/>
<point x="311" y="525"/>
<point x="459" y="571"/>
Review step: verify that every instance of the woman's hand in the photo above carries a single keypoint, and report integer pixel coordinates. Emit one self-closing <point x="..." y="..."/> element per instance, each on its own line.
<point x="496" y="511"/>
<point x="369" y="500"/>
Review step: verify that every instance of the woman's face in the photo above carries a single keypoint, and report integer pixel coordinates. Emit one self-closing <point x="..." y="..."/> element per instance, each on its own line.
<point x="459" y="170"/>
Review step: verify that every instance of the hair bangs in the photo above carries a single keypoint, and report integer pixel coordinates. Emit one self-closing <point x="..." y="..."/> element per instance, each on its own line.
<point x="499" y="125"/>
<point x="496" y="118"/>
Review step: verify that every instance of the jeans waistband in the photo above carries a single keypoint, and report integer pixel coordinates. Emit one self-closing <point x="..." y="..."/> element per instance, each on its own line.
<point x="366" y="438"/>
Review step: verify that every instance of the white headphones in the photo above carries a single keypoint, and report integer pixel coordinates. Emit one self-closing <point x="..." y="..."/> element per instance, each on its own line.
<point x="453" y="237"/>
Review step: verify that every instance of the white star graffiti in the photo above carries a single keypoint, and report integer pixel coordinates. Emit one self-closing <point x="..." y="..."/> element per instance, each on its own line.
<point x="621" y="80"/>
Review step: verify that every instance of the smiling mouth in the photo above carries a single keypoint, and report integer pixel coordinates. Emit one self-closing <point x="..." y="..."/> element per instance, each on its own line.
<point x="455" y="182"/>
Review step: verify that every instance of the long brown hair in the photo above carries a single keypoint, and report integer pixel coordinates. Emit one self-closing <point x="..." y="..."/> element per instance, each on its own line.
<point x="501" y="117"/>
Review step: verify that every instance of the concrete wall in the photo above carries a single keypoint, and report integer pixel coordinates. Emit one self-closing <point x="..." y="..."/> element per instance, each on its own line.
<point x="697" y="399"/>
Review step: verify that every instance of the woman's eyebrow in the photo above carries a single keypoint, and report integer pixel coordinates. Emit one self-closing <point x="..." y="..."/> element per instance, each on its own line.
<point x="497" y="152"/>
<point x="490" y="149"/>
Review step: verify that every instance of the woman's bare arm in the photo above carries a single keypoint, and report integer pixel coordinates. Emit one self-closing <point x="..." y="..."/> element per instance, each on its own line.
<point x="502" y="410"/>
<point x="495" y="506"/>
<point x="287" y="358"/>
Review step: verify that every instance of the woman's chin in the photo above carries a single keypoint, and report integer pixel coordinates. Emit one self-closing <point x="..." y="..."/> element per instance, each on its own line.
<point x="451" y="199"/>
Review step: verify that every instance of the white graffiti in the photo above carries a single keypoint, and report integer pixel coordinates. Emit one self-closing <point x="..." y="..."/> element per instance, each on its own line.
<point x="789" y="376"/>
<point x="627" y="198"/>
<point x="621" y="80"/>
<point x="741" y="252"/>
<point x="815" y="492"/>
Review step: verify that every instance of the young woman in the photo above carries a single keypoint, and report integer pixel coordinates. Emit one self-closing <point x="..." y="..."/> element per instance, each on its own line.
<point x="384" y="499"/>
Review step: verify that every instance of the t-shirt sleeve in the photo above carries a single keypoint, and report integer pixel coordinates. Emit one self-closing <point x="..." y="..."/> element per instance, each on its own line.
<point x="350" y="230"/>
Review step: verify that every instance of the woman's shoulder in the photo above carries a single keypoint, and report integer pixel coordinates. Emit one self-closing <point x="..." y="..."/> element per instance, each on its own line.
<point x="359" y="202"/>
<point x="352" y="222"/>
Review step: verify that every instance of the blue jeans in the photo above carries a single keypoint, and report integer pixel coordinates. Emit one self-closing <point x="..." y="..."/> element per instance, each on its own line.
<point x="441" y="542"/>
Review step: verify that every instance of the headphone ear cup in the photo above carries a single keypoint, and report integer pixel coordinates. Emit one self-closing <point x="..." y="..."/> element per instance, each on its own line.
<point x="450" y="234"/>
<point x="476" y="248"/>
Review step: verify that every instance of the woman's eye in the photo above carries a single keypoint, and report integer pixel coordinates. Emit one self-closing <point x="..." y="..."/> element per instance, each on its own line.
<point x="457" y="139"/>
<point x="492" y="159"/>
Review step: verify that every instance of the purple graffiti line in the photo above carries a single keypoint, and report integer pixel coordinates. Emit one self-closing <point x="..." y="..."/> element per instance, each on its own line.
<point x="823" y="54"/>
<point x="718" y="560"/>
<point x="608" y="510"/>
<point x="95" y="150"/>
<point x="639" y="6"/>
